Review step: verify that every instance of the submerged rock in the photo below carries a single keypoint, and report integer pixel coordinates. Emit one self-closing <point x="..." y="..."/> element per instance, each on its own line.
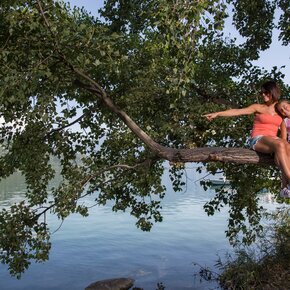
<point x="112" y="284"/>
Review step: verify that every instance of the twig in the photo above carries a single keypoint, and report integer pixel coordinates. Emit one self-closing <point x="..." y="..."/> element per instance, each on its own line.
<point x="66" y="126"/>
<point x="58" y="227"/>
<point x="44" y="17"/>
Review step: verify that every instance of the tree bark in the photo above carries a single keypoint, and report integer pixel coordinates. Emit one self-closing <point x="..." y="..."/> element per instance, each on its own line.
<point x="214" y="154"/>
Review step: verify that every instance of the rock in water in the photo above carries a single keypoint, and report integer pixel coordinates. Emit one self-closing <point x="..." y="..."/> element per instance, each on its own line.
<point x="112" y="284"/>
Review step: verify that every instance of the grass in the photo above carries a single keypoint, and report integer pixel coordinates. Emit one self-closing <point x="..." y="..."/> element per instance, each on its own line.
<point x="263" y="266"/>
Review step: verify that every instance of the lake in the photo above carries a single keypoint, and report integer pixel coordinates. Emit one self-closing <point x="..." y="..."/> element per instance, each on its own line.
<point x="108" y="245"/>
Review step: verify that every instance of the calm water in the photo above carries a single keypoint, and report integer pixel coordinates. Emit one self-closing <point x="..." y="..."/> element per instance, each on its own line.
<point x="108" y="245"/>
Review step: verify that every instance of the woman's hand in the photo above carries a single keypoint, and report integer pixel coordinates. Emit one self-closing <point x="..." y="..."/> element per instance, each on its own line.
<point x="210" y="116"/>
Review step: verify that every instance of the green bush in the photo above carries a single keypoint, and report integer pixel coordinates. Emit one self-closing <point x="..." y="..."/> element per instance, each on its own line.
<point x="265" y="265"/>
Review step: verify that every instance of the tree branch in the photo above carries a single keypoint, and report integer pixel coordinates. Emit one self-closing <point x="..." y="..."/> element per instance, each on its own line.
<point x="207" y="97"/>
<point x="146" y="163"/>
<point x="66" y="126"/>
<point x="232" y="155"/>
<point x="43" y="15"/>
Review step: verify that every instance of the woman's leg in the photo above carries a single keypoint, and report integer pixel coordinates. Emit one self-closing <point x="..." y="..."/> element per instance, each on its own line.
<point x="280" y="148"/>
<point x="284" y="181"/>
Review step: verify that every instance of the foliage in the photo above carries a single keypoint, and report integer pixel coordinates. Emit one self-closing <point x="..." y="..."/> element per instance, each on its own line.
<point x="65" y="74"/>
<point x="265" y="265"/>
<point x="243" y="201"/>
<point x="20" y="229"/>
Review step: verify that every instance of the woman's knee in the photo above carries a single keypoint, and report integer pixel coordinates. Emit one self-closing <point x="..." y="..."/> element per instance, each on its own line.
<point x="281" y="147"/>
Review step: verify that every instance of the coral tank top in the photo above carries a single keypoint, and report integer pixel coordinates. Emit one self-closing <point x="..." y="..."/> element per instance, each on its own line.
<point x="266" y="125"/>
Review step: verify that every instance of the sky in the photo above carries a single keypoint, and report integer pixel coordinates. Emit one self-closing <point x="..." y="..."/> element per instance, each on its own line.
<point x="276" y="55"/>
<point x="90" y="5"/>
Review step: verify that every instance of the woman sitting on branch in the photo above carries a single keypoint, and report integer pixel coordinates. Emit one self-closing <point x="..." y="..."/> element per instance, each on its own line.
<point x="283" y="108"/>
<point x="265" y="128"/>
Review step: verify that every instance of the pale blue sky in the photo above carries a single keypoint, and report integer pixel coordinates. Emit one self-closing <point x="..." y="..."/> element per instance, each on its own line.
<point x="91" y="5"/>
<point x="277" y="55"/>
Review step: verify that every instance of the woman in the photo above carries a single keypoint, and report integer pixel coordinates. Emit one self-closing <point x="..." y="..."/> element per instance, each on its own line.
<point x="283" y="108"/>
<point x="265" y="128"/>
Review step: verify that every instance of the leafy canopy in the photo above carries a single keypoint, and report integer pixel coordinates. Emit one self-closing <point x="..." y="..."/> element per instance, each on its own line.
<point x="71" y="86"/>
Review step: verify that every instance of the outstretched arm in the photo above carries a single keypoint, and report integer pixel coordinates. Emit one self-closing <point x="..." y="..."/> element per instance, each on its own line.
<point x="233" y="112"/>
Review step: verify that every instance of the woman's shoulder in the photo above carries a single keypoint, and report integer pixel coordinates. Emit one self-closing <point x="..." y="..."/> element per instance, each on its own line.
<point x="260" y="108"/>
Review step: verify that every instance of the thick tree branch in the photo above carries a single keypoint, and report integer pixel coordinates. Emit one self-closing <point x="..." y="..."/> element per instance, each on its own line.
<point x="219" y="154"/>
<point x="232" y="155"/>
<point x="95" y="88"/>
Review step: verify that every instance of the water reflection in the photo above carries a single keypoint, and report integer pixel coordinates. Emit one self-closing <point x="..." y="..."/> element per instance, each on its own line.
<point x="12" y="189"/>
<point x="108" y="245"/>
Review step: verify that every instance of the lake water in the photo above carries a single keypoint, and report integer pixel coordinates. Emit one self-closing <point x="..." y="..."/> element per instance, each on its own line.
<point x="108" y="245"/>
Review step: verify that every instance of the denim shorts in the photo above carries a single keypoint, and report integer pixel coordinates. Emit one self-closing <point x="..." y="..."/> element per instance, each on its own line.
<point x="251" y="143"/>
